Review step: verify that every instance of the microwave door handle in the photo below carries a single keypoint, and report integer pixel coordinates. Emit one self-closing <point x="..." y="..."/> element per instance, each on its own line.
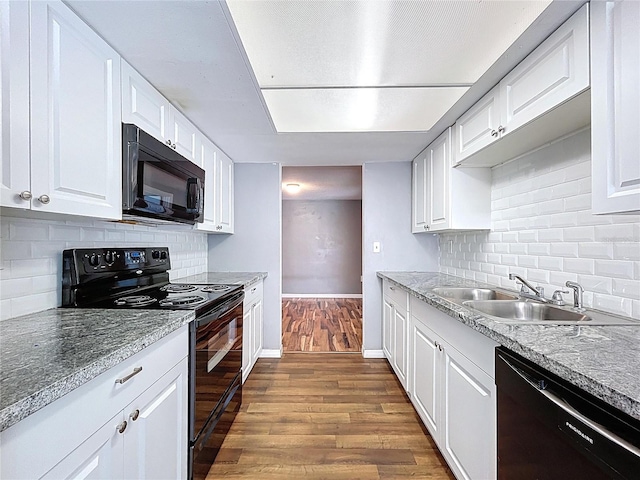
<point x="193" y="194"/>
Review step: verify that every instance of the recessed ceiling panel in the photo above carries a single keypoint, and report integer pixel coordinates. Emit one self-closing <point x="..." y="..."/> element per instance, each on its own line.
<point x="359" y="109"/>
<point x="369" y="43"/>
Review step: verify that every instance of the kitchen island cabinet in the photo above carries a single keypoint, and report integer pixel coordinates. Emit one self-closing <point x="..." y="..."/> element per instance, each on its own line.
<point x="64" y="138"/>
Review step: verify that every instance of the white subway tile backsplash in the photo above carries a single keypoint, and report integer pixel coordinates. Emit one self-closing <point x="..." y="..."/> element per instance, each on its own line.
<point x="31" y="263"/>
<point x="543" y="229"/>
<point x="614" y="268"/>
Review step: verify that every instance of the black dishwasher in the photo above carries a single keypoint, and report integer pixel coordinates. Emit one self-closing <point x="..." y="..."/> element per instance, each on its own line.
<point x="550" y="429"/>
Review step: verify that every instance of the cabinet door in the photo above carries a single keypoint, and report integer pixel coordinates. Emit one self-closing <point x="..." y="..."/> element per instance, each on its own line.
<point x="155" y="442"/>
<point x="469" y="417"/>
<point x="478" y="127"/>
<point x="184" y="136"/>
<point x="615" y="107"/>
<point x="438" y="184"/>
<point x="256" y="313"/>
<point x="387" y="319"/>
<point x="208" y="156"/>
<point x="14" y="99"/>
<point x="554" y="72"/>
<point x="225" y="186"/>
<point x="399" y="353"/>
<point x="98" y="457"/>
<point x="143" y="105"/>
<point x="75" y="116"/>
<point x="420" y="221"/>
<point x="247" y="341"/>
<point x="426" y="374"/>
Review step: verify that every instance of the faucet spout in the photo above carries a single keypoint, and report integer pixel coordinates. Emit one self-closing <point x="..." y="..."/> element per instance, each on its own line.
<point x="538" y="294"/>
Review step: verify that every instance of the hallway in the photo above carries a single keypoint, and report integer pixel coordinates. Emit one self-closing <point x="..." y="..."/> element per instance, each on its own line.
<point x="322" y="324"/>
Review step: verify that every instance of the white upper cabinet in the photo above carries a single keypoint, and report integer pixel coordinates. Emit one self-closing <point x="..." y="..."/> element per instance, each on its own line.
<point x="14" y="99"/>
<point x="615" y="108"/>
<point x="143" y="105"/>
<point x="218" y="188"/>
<point x="147" y="108"/>
<point x="74" y="163"/>
<point x="446" y="198"/>
<point x="547" y="92"/>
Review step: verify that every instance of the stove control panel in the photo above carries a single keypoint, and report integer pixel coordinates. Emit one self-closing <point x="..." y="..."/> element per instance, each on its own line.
<point x="103" y="260"/>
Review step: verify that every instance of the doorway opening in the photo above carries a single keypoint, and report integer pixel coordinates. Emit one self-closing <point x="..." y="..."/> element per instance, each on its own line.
<point x="322" y="259"/>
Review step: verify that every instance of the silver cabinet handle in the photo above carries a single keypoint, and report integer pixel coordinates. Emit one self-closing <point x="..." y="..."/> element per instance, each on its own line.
<point x="173" y="146"/>
<point x="501" y="129"/>
<point x="44" y="199"/>
<point x="122" y="427"/>
<point x="494" y="133"/>
<point x="136" y="371"/>
<point x="253" y="289"/>
<point x="392" y="288"/>
<point x="26" y="195"/>
<point x="168" y="142"/>
<point x="134" y="415"/>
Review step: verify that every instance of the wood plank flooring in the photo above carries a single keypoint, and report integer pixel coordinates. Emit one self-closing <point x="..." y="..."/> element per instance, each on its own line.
<point x="322" y="324"/>
<point x="326" y="416"/>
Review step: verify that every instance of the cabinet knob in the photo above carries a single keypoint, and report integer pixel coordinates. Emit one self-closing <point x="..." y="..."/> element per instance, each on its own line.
<point x="501" y="129"/>
<point x="122" y="427"/>
<point x="26" y="195"/>
<point x="173" y="146"/>
<point x="494" y="133"/>
<point x="134" y="415"/>
<point x="44" y="199"/>
<point x="168" y="142"/>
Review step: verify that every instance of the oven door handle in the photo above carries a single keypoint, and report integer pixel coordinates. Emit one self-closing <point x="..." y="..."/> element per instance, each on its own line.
<point x="562" y="404"/>
<point x="220" y="310"/>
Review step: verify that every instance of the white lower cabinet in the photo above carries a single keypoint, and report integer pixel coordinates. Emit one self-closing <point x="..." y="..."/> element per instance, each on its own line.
<point x="452" y="389"/>
<point x="394" y="329"/>
<point x="252" y="328"/>
<point x="106" y="430"/>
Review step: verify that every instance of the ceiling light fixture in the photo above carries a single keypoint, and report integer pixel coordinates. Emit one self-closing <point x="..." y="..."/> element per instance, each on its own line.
<point x="292" y="187"/>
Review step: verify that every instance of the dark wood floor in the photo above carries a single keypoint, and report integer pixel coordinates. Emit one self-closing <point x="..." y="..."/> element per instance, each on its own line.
<point x="326" y="417"/>
<point x="322" y="324"/>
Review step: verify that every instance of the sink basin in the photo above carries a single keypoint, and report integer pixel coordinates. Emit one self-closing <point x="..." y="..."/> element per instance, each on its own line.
<point x="463" y="293"/>
<point x="528" y="312"/>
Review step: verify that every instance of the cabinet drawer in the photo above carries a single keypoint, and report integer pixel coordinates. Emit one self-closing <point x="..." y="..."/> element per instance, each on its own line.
<point x="473" y="345"/>
<point x="61" y="426"/>
<point x="396" y="295"/>
<point x="252" y="293"/>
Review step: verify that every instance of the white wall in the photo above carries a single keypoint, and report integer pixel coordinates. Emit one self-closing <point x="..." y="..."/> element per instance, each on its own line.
<point x="31" y="254"/>
<point x="256" y="244"/>
<point x="322" y="247"/>
<point x="386" y="205"/>
<point x="543" y="230"/>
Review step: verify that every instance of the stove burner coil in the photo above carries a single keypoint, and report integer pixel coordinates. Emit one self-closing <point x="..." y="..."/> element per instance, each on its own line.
<point x="182" y="301"/>
<point x="215" y="288"/>
<point x="172" y="288"/>
<point x="135" y="301"/>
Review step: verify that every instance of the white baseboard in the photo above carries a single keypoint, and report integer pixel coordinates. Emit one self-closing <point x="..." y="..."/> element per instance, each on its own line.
<point x="271" y="353"/>
<point x="373" y="354"/>
<point x="321" y="295"/>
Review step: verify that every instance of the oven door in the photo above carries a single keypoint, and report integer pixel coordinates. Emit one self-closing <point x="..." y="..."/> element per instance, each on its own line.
<point x="215" y="366"/>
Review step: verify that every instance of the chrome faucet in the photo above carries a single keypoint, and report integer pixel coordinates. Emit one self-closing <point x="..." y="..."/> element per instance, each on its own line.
<point x="538" y="293"/>
<point x="577" y="295"/>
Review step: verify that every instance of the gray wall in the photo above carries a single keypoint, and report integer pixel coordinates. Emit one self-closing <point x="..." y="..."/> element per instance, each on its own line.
<point x="386" y="204"/>
<point x="321" y="247"/>
<point x="255" y="246"/>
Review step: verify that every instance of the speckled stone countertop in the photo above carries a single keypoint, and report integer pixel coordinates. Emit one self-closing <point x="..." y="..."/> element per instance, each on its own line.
<point x="232" y="278"/>
<point x="46" y="355"/>
<point x="603" y="360"/>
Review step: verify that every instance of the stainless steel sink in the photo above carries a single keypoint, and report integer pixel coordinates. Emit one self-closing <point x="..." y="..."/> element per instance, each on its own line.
<point x="464" y="293"/>
<point x="528" y="312"/>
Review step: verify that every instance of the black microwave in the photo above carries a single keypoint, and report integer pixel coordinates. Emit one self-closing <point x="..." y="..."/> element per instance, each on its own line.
<point x="157" y="182"/>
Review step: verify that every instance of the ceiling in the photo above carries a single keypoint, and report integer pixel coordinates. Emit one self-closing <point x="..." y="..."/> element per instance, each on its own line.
<point x="323" y="183"/>
<point x="191" y="51"/>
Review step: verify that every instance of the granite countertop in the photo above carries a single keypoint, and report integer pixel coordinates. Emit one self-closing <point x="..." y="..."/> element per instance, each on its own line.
<point x="232" y="278"/>
<point x="602" y="360"/>
<point x="46" y="355"/>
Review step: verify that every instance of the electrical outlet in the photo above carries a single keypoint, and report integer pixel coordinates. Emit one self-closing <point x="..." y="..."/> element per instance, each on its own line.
<point x="376" y="247"/>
